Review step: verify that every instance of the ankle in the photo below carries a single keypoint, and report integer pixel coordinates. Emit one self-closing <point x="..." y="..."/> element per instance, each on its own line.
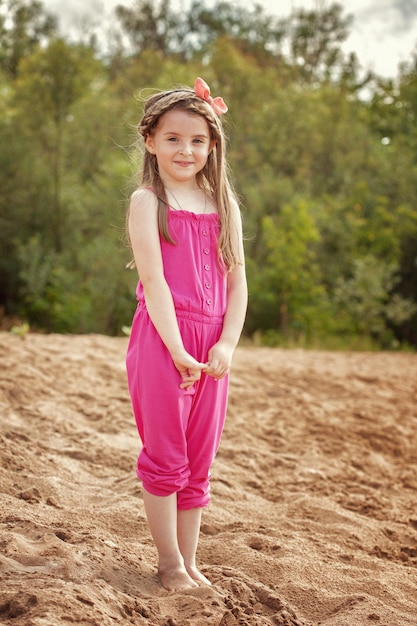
<point x="170" y="562"/>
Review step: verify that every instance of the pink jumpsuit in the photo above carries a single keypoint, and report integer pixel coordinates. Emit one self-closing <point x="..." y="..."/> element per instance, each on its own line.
<point x="180" y="429"/>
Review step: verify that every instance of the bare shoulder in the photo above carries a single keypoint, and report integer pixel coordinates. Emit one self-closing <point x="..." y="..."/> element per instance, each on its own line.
<point x="234" y="204"/>
<point x="235" y="212"/>
<point x="143" y="217"/>
<point x="144" y="232"/>
<point x="142" y="200"/>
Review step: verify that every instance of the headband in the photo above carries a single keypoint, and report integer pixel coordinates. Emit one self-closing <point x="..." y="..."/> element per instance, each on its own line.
<point x="202" y="90"/>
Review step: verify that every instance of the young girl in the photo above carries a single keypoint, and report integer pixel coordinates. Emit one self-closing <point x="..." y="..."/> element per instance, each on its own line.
<point x="185" y="230"/>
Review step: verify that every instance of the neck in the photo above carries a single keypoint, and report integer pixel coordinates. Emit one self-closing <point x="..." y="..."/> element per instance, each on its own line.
<point x="183" y="186"/>
<point x="192" y="200"/>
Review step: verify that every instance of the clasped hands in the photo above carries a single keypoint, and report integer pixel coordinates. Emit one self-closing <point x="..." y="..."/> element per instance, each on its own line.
<point x="217" y="366"/>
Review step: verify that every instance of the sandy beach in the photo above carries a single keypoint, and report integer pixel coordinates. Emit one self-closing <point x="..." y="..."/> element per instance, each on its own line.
<point x="313" y="519"/>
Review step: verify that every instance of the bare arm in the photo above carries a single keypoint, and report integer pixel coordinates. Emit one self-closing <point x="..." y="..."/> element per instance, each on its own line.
<point x="144" y="237"/>
<point x="220" y="355"/>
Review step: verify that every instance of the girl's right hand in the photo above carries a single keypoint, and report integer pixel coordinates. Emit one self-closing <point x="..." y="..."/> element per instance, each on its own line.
<point x="190" y="370"/>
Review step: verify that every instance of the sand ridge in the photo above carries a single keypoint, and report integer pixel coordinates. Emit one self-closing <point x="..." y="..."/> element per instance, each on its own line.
<point x="313" y="519"/>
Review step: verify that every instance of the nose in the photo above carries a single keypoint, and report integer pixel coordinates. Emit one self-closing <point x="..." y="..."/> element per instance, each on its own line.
<point x="185" y="148"/>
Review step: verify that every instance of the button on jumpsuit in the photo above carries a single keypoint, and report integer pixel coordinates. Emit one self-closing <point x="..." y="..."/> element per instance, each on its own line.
<point x="180" y="429"/>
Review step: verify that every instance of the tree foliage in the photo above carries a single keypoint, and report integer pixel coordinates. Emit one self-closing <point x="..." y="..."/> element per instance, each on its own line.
<point x="327" y="177"/>
<point x="23" y="26"/>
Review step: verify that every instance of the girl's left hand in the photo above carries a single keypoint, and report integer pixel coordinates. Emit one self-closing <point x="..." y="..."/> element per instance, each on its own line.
<point x="219" y="361"/>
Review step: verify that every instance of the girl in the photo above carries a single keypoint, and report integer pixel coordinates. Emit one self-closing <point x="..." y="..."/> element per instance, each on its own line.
<point x="185" y="231"/>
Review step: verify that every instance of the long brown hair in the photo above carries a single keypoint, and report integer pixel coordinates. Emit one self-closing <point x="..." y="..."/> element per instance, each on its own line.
<point x="213" y="178"/>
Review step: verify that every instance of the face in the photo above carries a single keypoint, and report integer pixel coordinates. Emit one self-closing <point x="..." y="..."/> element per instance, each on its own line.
<point x="181" y="143"/>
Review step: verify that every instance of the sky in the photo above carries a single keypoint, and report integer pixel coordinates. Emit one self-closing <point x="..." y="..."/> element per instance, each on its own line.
<point x="383" y="33"/>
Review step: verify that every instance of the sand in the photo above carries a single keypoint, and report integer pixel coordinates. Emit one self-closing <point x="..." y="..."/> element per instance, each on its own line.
<point x="313" y="519"/>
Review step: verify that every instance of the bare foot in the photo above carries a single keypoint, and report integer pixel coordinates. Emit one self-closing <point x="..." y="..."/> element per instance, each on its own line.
<point x="176" y="579"/>
<point x="196" y="575"/>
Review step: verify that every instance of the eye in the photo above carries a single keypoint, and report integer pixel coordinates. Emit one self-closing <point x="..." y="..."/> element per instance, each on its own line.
<point x="173" y="139"/>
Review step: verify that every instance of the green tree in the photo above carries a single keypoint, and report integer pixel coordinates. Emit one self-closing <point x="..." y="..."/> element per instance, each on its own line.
<point x="315" y="39"/>
<point x="59" y="75"/>
<point x="289" y="278"/>
<point x="327" y="179"/>
<point x="368" y="302"/>
<point x="150" y="26"/>
<point x="69" y="208"/>
<point x="23" y="26"/>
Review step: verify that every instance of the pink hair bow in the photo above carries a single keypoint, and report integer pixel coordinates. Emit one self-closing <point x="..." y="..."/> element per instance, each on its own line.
<point x="202" y="90"/>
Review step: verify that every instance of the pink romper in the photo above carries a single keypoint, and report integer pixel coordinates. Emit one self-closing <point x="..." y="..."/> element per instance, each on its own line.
<point x="180" y="429"/>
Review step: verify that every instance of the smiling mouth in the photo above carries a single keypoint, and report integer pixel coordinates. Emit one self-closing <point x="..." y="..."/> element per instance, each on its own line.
<point x="183" y="163"/>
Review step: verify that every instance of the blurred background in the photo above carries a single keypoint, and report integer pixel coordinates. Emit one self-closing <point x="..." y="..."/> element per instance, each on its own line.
<point x="322" y="137"/>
